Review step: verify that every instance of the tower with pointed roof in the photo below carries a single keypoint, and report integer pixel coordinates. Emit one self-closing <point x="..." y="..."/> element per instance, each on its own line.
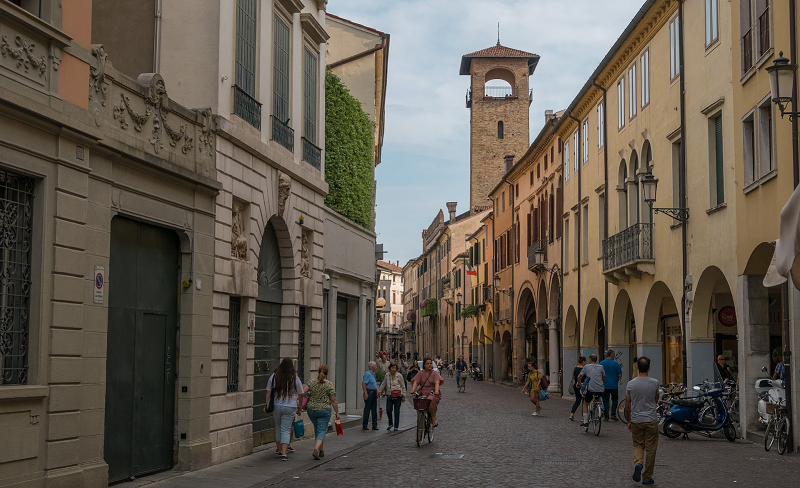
<point x="499" y="123"/>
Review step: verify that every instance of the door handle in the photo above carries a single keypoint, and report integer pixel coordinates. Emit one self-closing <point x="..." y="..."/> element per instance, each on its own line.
<point x="258" y="366"/>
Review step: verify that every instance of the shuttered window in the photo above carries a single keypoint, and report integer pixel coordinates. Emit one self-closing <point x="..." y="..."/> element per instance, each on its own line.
<point x="310" y="96"/>
<point x="280" y="81"/>
<point x="718" y="160"/>
<point x="246" y="46"/>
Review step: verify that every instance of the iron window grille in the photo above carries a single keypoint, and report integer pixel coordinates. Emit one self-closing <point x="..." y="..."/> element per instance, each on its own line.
<point x="16" y="207"/>
<point x="244" y="102"/>
<point x="281" y="132"/>
<point x="312" y="154"/>
<point x="234" y="319"/>
<point x="246" y="107"/>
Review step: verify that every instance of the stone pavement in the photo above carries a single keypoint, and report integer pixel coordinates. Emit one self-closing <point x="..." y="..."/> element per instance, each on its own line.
<point x="502" y="445"/>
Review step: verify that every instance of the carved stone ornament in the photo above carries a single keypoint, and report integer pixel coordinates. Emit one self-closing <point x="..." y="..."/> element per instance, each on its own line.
<point x="305" y="268"/>
<point x="238" y="240"/>
<point x="156" y="103"/>
<point x="205" y="141"/>
<point x="97" y="76"/>
<point x="284" y="188"/>
<point x="23" y="54"/>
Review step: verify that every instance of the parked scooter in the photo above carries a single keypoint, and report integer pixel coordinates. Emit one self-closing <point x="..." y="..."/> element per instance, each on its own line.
<point x="768" y="390"/>
<point x="703" y="415"/>
<point x="476" y="372"/>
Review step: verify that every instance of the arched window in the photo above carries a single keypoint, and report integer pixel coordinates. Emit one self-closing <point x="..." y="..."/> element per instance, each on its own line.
<point x="647" y="167"/>
<point x="622" y="194"/>
<point x="500" y="129"/>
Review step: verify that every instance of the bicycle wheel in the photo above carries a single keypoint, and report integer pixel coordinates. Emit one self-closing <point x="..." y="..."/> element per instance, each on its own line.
<point x="734" y="409"/>
<point x="420" y="427"/>
<point x="621" y="414"/>
<point x="769" y="435"/>
<point x="597" y="421"/>
<point x="430" y="428"/>
<point x="783" y="435"/>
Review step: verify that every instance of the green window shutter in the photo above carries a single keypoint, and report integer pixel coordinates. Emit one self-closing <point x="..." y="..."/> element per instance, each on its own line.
<point x="246" y="46"/>
<point x="719" y="163"/>
<point x="280" y="82"/>
<point x="310" y="89"/>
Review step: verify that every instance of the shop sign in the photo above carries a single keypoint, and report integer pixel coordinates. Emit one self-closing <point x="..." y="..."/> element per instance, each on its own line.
<point x="727" y="316"/>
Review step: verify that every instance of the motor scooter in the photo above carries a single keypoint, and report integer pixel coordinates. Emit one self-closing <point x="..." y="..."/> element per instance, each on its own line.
<point x="705" y="414"/>
<point x="768" y="390"/>
<point x="475" y="372"/>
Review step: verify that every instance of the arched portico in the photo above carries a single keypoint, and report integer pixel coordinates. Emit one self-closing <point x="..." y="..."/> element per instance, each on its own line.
<point x="622" y="334"/>
<point x="713" y="325"/>
<point x="662" y="338"/>
<point x="592" y="337"/>
<point x="526" y="324"/>
<point x="569" y="337"/>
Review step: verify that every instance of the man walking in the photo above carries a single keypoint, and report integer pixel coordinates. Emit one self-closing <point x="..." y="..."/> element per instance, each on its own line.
<point x="594" y="376"/>
<point x="641" y="400"/>
<point x="613" y="373"/>
<point x="370" y="387"/>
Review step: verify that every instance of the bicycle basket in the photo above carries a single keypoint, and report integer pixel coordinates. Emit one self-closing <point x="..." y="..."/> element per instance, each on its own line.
<point x="421" y="403"/>
<point x="771" y="408"/>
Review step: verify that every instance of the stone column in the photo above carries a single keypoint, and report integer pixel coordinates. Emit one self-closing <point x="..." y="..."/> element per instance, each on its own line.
<point x="519" y="351"/>
<point x="555" y="363"/>
<point x="754" y="351"/>
<point x="541" y="351"/>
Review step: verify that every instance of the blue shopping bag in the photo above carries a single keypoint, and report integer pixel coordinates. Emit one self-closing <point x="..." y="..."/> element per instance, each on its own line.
<point x="543" y="395"/>
<point x="299" y="428"/>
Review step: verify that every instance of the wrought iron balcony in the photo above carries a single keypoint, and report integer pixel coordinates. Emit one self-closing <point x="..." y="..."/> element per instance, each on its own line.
<point x="312" y="154"/>
<point x="282" y="133"/>
<point x="246" y="107"/>
<point x="541" y="244"/>
<point x="629" y="253"/>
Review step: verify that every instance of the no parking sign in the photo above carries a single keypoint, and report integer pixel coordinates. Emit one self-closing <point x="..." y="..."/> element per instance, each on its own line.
<point x="99" y="283"/>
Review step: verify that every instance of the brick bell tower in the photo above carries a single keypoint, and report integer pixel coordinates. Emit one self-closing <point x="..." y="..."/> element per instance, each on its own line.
<point x="499" y="122"/>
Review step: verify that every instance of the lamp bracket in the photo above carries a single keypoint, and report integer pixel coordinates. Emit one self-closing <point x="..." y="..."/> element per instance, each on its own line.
<point x="679" y="214"/>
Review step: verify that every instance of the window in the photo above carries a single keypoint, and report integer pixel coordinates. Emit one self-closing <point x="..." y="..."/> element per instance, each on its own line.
<point x="559" y="145"/>
<point x="516" y="190"/>
<point x="585" y="235"/>
<point x="601" y="221"/>
<point x="510" y="198"/>
<point x="538" y="173"/>
<point x="545" y="162"/>
<point x="577" y="238"/>
<point x="394" y="297"/>
<point x="600" y="125"/>
<point x="311" y="153"/>
<point x="755" y="26"/>
<point x="644" y="66"/>
<point x="500" y="130"/>
<point x="757" y="140"/>
<point x="566" y="161"/>
<point x="532" y="175"/>
<point x="632" y="102"/>
<point x="712" y="19"/>
<point x="234" y="315"/>
<point x="621" y="103"/>
<point x="32" y="6"/>
<point x="674" y="48"/>
<point x="676" y="174"/>
<point x="504" y="201"/>
<point x="244" y="103"/>
<point x="765" y="138"/>
<point x="281" y="132"/>
<point x="566" y="244"/>
<point x="16" y="200"/>
<point x="575" y="141"/>
<point x="552" y="154"/>
<point x="716" y="166"/>
<point x="585" y="141"/>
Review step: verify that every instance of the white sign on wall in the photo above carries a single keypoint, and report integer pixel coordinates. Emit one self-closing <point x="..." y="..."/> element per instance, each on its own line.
<point x="251" y="327"/>
<point x="99" y="283"/>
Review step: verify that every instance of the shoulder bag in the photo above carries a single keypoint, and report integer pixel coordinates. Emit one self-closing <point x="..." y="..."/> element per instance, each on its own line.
<point x="396" y="393"/>
<point x="271" y="406"/>
<point x="544" y="382"/>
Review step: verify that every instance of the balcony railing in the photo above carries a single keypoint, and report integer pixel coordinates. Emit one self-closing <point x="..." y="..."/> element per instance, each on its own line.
<point x="763" y="33"/>
<point x="747" y="51"/>
<point x="537" y="245"/>
<point x="246" y="107"/>
<point x="282" y="133"/>
<point x="629" y="246"/>
<point x="312" y="154"/>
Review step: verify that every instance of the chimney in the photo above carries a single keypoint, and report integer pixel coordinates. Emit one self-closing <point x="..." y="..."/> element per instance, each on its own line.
<point x="451" y="207"/>
<point x="548" y="114"/>
<point x="509" y="158"/>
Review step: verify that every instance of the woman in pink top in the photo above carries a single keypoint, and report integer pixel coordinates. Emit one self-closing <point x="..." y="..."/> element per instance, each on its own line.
<point x="428" y="381"/>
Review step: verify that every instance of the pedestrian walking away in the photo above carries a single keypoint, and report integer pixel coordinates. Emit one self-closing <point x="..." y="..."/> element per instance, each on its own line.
<point x="370" y="387"/>
<point x="641" y="401"/>
<point x="288" y="391"/>
<point x="428" y="382"/>
<point x="591" y="381"/>
<point x="534" y="380"/>
<point x="613" y="372"/>
<point x="574" y="386"/>
<point x="321" y="400"/>
<point x="394" y="387"/>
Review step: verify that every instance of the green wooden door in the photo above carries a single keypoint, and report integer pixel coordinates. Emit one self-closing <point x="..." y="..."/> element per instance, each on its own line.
<point x="140" y="366"/>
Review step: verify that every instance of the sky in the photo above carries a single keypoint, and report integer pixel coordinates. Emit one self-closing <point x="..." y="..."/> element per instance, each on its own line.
<point x="425" y="159"/>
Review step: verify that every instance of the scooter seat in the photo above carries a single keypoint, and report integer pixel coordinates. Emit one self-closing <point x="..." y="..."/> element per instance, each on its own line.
<point x="688" y="403"/>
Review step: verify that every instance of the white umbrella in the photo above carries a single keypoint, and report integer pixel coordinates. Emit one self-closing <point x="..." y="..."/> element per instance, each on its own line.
<point x="784" y="262"/>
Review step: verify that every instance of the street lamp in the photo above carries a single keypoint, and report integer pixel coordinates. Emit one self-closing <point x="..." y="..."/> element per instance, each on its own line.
<point x="649" y="189"/>
<point x="781" y="80"/>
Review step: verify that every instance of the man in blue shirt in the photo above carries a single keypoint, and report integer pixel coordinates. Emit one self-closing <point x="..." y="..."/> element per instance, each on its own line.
<point x="613" y="375"/>
<point x="370" y="387"/>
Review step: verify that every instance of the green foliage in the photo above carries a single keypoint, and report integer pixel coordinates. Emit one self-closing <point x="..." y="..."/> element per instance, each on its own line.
<point x="431" y="308"/>
<point x="470" y="311"/>
<point x="380" y="375"/>
<point x="349" y="160"/>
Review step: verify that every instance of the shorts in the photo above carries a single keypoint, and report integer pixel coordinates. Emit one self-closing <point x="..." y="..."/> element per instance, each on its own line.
<point x="591" y="395"/>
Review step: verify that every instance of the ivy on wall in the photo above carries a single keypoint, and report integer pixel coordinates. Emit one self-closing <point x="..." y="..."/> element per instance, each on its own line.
<point x="470" y="311"/>
<point x="430" y="308"/>
<point x="349" y="162"/>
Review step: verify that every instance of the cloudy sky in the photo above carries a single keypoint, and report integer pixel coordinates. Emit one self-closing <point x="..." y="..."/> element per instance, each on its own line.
<point x="425" y="160"/>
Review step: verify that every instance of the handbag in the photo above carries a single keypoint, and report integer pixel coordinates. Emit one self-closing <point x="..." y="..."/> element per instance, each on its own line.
<point x="572" y="388"/>
<point x="543" y="395"/>
<point x="304" y="403"/>
<point x="544" y="382"/>
<point x="395" y="393"/>
<point x="271" y="405"/>
<point x="299" y="428"/>
<point x="338" y="424"/>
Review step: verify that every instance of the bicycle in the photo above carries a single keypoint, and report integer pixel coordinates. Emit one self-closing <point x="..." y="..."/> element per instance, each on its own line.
<point x="778" y="426"/>
<point x="424" y="421"/>
<point x="595" y="414"/>
<point x="462" y="382"/>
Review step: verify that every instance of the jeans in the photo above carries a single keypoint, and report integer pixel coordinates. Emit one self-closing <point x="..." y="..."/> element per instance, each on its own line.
<point x="393" y="404"/>
<point x="578" y="400"/>
<point x="284" y="416"/>
<point x="645" y="440"/>
<point x="320" y="419"/>
<point x="371" y="405"/>
<point x="614" y="404"/>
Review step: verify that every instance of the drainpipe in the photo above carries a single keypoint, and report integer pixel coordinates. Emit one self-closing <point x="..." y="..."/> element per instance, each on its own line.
<point x="605" y="200"/>
<point x="157" y="43"/>
<point x="682" y="193"/>
<point x="578" y="221"/>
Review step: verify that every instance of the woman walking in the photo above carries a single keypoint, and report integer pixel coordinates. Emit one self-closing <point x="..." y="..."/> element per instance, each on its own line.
<point x="428" y="382"/>
<point x="534" y="380"/>
<point x="288" y="391"/>
<point x="412" y="371"/>
<point x="394" y="387"/>
<point x="578" y="397"/>
<point x="321" y="399"/>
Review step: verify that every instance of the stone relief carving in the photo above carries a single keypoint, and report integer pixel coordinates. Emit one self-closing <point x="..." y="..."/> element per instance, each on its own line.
<point x="206" y="138"/>
<point x="55" y="61"/>
<point x="23" y="54"/>
<point x="238" y="239"/>
<point x="284" y="188"/>
<point x="305" y="268"/>
<point x="156" y="103"/>
<point x="97" y="76"/>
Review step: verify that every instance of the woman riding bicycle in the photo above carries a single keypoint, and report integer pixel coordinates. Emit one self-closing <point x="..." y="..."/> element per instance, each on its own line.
<point x="428" y="382"/>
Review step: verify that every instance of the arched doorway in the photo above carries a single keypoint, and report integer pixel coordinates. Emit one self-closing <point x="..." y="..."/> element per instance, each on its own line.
<point x="543" y="349"/>
<point x="622" y="335"/>
<point x="506" y="365"/>
<point x="496" y="366"/>
<point x="526" y="317"/>
<point x="593" y="336"/>
<point x="713" y="326"/>
<point x="662" y="337"/>
<point x="266" y="353"/>
<point x="569" y="336"/>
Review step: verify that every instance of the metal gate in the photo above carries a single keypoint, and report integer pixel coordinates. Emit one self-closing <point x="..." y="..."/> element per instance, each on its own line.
<point x="268" y="329"/>
<point x="140" y="366"/>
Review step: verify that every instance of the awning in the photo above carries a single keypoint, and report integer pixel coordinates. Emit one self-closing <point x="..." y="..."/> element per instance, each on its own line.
<point x="784" y="261"/>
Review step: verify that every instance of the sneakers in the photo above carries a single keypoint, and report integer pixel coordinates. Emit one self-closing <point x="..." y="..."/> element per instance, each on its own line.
<point x="396" y="429"/>
<point x="572" y="417"/>
<point x="375" y="428"/>
<point x="284" y="458"/>
<point x="584" y="424"/>
<point x="637" y="472"/>
<point x="315" y="454"/>
<point x="614" y="418"/>
<point x="321" y="453"/>
<point x="535" y="414"/>
<point x="650" y="482"/>
<point x="290" y="448"/>
<point x="389" y="428"/>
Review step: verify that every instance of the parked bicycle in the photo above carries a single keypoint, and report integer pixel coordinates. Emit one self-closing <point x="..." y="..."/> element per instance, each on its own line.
<point x="424" y="421"/>
<point x="778" y="426"/>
